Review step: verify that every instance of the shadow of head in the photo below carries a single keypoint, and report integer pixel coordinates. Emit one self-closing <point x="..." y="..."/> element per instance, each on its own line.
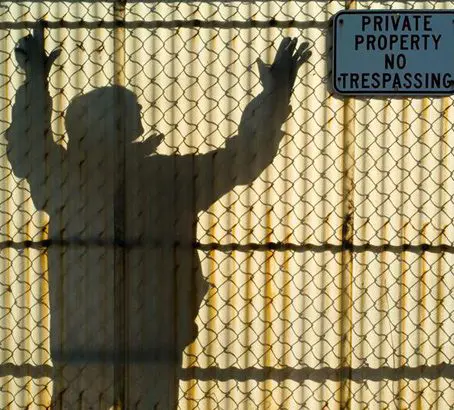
<point x="105" y="115"/>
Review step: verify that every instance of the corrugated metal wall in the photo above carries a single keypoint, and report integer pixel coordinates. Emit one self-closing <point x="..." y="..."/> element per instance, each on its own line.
<point x="330" y="272"/>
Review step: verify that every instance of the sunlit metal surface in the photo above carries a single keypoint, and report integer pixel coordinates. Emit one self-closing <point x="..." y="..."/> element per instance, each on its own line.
<point x="331" y="272"/>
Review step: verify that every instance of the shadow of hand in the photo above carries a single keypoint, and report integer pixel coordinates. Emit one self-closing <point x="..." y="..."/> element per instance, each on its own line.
<point x="31" y="54"/>
<point x="281" y="74"/>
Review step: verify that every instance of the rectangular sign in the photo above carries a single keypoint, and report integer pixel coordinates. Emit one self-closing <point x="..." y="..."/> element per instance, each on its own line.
<point x="394" y="52"/>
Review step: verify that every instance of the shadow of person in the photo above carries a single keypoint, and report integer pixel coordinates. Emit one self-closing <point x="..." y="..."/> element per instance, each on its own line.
<point x="94" y="184"/>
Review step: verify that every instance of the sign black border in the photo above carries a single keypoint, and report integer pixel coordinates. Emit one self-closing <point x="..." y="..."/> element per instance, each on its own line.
<point x="377" y="92"/>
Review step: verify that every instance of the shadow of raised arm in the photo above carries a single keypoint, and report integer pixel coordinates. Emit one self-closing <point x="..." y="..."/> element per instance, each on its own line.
<point x="31" y="149"/>
<point x="248" y="153"/>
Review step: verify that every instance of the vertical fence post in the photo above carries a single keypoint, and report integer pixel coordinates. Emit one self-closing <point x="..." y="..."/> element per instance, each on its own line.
<point x="348" y="206"/>
<point x="120" y="285"/>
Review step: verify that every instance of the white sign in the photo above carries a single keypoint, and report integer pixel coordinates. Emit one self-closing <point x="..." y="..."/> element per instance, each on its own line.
<point x="394" y="52"/>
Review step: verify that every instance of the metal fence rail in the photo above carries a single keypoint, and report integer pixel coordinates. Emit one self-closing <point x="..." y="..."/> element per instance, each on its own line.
<point x="187" y="270"/>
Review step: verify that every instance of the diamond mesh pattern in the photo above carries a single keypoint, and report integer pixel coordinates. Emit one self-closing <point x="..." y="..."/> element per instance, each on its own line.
<point x="330" y="273"/>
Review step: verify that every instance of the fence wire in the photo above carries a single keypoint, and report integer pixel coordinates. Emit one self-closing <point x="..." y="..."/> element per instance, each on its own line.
<point x="152" y="259"/>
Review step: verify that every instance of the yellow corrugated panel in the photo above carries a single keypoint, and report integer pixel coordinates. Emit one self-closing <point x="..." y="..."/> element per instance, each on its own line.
<point x="330" y="273"/>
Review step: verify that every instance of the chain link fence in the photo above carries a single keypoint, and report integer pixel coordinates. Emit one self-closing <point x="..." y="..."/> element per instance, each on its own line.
<point x="141" y="274"/>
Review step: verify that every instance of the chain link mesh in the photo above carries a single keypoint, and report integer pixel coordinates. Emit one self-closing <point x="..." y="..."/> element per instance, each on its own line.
<point x="330" y="274"/>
